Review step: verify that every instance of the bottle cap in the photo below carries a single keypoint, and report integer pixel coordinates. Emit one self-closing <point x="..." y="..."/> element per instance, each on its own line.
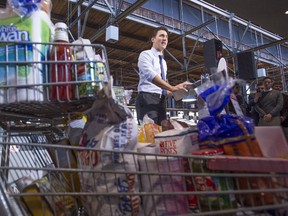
<point x="61" y="25"/>
<point x="61" y="33"/>
<point x="23" y="182"/>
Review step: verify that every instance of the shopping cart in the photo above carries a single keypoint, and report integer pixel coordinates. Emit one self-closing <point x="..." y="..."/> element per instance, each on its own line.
<point x="31" y="84"/>
<point x="42" y="178"/>
<point x="42" y="174"/>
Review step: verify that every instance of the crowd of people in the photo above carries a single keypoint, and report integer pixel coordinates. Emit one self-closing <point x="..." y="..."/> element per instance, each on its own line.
<point x="268" y="105"/>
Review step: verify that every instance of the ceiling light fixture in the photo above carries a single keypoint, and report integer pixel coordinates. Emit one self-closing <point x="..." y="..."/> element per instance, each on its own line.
<point x="286" y="12"/>
<point x="189" y="98"/>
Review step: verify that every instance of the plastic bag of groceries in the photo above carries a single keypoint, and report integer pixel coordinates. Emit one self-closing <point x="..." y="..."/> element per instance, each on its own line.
<point x="161" y="178"/>
<point x="107" y="173"/>
<point x="235" y="134"/>
<point x="25" y="8"/>
<point x="224" y="130"/>
<point x="177" y="141"/>
<point x="215" y="92"/>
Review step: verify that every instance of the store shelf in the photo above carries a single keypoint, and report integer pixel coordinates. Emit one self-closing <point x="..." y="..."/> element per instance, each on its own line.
<point x="43" y="109"/>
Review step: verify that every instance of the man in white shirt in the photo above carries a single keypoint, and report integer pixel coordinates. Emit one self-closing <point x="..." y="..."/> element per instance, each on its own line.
<point x="153" y="86"/>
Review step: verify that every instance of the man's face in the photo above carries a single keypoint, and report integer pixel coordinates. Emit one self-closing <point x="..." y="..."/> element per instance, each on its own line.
<point x="277" y="87"/>
<point x="267" y="84"/>
<point x="160" y="41"/>
<point x="260" y="88"/>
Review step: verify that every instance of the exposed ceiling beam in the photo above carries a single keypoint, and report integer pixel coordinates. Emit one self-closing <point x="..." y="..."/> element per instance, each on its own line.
<point x="194" y="29"/>
<point x="74" y="10"/>
<point x="82" y="13"/>
<point x="133" y="36"/>
<point x="119" y="18"/>
<point x="268" y="45"/>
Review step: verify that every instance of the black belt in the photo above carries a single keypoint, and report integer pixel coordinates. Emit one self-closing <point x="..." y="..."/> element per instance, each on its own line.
<point x="154" y="94"/>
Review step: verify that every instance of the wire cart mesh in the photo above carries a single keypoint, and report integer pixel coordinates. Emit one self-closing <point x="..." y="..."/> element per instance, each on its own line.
<point x="42" y="178"/>
<point x="41" y="174"/>
<point x="33" y="82"/>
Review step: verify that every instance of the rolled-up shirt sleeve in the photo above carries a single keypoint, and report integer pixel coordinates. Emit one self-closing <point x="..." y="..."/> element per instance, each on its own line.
<point x="146" y="67"/>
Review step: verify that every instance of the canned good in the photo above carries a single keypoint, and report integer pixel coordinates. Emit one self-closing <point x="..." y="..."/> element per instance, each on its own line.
<point x="210" y="202"/>
<point x="86" y="72"/>
<point x="47" y="205"/>
<point x="90" y="70"/>
<point x="36" y="205"/>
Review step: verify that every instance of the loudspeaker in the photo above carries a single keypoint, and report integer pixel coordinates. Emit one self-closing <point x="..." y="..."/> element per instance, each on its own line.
<point x="246" y="65"/>
<point x="212" y="53"/>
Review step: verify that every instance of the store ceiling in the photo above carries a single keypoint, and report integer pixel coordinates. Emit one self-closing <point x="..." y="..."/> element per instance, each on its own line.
<point x="268" y="14"/>
<point x="134" y="37"/>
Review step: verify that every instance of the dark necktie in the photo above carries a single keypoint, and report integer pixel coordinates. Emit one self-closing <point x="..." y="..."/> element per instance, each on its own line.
<point x="162" y="68"/>
<point x="162" y="72"/>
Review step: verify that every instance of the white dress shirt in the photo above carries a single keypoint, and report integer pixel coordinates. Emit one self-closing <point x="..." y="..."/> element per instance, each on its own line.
<point x="149" y="67"/>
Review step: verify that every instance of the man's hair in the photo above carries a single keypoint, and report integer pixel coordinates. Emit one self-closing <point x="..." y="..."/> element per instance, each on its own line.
<point x="265" y="78"/>
<point x="155" y="31"/>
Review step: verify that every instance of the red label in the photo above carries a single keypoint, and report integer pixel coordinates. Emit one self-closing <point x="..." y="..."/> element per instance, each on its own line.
<point x="205" y="184"/>
<point x="168" y="147"/>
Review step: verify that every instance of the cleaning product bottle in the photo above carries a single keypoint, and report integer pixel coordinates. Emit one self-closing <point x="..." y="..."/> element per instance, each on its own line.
<point x="23" y="82"/>
<point x="61" y="67"/>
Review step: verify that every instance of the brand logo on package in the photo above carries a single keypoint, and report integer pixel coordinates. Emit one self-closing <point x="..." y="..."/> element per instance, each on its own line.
<point x="122" y="137"/>
<point x="11" y="33"/>
<point x="127" y="204"/>
<point x="168" y="147"/>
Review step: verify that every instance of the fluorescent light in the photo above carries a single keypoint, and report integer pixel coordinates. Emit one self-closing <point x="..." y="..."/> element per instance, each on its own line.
<point x="189" y="98"/>
<point x="286" y="12"/>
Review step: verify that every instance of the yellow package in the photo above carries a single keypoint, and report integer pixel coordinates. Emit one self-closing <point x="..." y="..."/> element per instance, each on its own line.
<point x="151" y="129"/>
<point x="141" y="135"/>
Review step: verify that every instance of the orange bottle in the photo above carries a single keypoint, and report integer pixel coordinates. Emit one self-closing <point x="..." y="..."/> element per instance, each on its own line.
<point x="62" y="71"/>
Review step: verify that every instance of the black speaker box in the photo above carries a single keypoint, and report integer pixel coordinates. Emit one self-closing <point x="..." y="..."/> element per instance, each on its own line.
<point x="212" y="53"/>
<point x="246" y="65"/>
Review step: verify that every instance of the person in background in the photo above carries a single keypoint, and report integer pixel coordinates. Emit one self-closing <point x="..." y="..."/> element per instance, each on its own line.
<point x="242" y="104"/>
<point x="277" y="86"/>
<point x="284" y="115"/>
<point x="153" y="87"/>
<point x="284" y="112"/>
<point x="269" y="105"/>
<point x="252" y="100"/>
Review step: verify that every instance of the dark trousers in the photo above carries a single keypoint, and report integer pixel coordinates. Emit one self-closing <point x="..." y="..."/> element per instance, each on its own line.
<point x="152" y="104"/>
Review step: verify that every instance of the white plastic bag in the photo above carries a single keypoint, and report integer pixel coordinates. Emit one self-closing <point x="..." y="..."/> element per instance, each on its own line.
<point x="104" y="176"/>
<point x="176" y="141"/>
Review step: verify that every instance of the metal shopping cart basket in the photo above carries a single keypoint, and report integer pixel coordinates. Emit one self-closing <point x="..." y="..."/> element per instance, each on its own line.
<point x="42" y="174"/>
<point x="34" y="82"/>
<point x="43" y="178"/>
